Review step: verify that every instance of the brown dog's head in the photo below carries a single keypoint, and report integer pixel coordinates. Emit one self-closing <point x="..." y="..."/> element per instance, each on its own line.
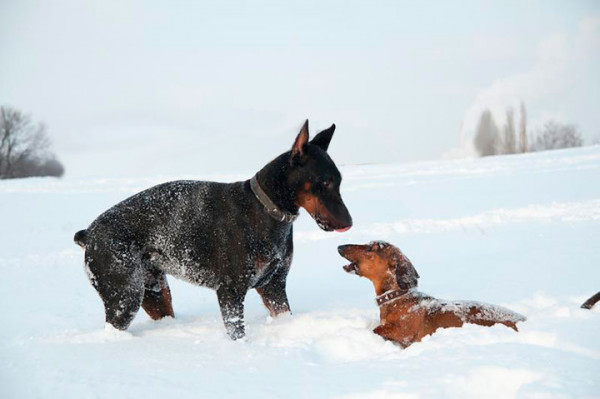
<point x="378" y="260"/>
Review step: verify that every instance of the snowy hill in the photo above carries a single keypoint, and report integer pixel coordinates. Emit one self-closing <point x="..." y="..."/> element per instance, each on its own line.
<point x="518" y="231"/>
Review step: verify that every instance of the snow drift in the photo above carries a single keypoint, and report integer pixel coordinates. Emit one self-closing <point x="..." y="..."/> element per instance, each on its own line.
<point x="520" y="231"/>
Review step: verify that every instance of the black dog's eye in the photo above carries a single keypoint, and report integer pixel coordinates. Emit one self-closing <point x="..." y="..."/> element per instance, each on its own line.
<point x="328" y="184"/>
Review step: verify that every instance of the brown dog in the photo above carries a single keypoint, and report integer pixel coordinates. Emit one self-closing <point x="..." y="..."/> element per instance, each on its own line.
<point x="407" y="315"/>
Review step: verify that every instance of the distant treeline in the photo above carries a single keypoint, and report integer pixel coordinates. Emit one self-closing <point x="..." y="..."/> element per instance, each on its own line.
<point x="25" y="147"/>
<point x="490" y="140"/>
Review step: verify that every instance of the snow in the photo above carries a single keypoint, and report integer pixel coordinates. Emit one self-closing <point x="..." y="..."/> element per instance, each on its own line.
<point x="520" y="232"/>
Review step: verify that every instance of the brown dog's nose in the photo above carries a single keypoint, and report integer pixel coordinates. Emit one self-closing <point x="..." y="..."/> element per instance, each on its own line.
<point x="342" y="248"/>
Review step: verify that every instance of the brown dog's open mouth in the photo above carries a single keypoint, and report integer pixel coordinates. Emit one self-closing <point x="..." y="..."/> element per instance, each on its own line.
<point x="346" y="252"/>
<point x="352" y="268"/>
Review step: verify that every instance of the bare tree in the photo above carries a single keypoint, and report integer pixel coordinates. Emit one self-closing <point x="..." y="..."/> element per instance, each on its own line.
<point x="24" y="147"/>
<point x="487" y="137"/>
<point x="556" y="135"/>
<point x="523" y="142"/>
<point x="510" y="137"/>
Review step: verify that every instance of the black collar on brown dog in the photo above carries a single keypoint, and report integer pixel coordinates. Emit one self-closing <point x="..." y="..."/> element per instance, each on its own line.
<point x="270" y="207"/>
<point x="390" y="296"/>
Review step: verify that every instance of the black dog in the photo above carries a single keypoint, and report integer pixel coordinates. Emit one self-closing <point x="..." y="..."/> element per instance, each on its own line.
<point x="229" y="237"/>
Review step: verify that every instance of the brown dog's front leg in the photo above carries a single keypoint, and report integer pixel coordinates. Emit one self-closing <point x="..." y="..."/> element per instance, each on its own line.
<point x="392" y="332"/>
<point x="382" y="330"/>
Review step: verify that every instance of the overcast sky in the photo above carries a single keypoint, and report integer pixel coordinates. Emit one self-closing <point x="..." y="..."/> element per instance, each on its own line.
<point x="190" y="87"/>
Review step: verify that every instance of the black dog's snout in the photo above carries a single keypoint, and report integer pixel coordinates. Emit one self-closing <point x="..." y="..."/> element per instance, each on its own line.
<point x="344" y="218"/>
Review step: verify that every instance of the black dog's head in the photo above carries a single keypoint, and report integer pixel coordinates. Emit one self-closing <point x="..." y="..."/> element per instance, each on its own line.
<point x="316" y="180"/>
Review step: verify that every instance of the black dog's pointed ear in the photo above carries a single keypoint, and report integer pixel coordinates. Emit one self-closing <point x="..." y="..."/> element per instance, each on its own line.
<point x="323" y="138"/>
<point x="300" y="143"/>
<point x="406" y="274"/>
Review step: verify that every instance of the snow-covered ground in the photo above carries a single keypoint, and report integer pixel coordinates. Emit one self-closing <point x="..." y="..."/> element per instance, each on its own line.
<point x="519" y="231"/>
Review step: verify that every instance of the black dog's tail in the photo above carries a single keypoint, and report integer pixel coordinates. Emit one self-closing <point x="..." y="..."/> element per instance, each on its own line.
<point x="81" y="238"/>
<point x="591" y="302"/>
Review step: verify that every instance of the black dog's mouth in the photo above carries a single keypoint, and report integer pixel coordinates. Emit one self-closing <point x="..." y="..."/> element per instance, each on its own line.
<point x="352" y="268"/>
<point x="325" y="224"/>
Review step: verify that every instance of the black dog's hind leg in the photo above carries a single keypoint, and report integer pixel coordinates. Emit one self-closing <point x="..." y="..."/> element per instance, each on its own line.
<point x="231" y="302"/>
<point x="273" y="293"/>
<point x="120" y="285"/>
<point x="157" y="295"/>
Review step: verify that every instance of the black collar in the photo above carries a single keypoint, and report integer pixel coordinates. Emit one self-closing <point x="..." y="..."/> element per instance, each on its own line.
<point x="270" y="207"/>
<point x="390" y="296"/>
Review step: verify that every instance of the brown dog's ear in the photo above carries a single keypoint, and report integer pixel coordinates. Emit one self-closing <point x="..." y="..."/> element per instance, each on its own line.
<point x="406" y="274"/>
<point x="323" y="139"/>
<point x="300" y="143"/>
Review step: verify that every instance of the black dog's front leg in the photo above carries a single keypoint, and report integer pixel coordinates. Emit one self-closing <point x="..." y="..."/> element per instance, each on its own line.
<point x="273" y="293"/>
<point x="231" y="301"/>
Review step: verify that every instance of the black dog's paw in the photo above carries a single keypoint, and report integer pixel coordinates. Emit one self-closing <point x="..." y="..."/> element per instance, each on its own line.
<point x="236" y="331"/>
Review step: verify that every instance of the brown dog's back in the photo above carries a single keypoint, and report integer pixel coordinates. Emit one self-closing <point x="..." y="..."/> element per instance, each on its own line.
<point x="417" y="315"/>
<point x="456" y="313"/>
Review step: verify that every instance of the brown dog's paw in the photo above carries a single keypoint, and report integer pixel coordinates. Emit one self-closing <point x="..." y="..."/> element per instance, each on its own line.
<point x="379" y="330"/>
<point x="387" y="332"/>
<point x="384" y="331"/>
